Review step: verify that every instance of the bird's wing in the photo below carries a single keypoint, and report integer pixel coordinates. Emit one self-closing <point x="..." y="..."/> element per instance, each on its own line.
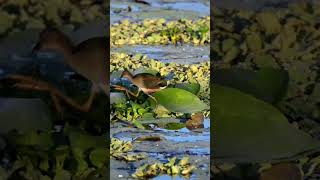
<point x="151" y="81"/>
<point x="92" y="44"/>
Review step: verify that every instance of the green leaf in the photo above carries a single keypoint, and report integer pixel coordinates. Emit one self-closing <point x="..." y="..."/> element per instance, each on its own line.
<point x="254" y="42"/>
<point x="266" y="84"/>
<point x="250" y="130"/>
<point x="269" y="22"/>
<point x="98" y="157"/>
<point x="146" y="70"/>
<point x="175" y="126"/>
<point x="191" y="87"/>
<point x="83" y="141"/>
<point x="231" y="54"/>
<point x="32" y="138"/>
<point x="138" y="124"/>
<point x="179" y="100"/>
<point x="62" y="175"/>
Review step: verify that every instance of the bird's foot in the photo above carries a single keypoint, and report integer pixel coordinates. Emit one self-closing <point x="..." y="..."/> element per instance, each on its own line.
<point x="57" y="106"/>
<point x="155" y="100"/>
<point x="28" y="82"/>
<point x="121" y="88"/>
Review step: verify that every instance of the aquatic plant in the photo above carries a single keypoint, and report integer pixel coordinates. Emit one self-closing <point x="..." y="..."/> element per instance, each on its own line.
<point x="172" y="167"/>
<point x="158" y="31"/>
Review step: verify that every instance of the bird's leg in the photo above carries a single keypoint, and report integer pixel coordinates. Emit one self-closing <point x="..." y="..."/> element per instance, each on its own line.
<point x="121" y="88"/>
<point x="30" y="83"/>
<point x="57" y="105"/>
<point x="136" y="95"/>
<point x="152" y="98"/>
<point x="87" y="105"/>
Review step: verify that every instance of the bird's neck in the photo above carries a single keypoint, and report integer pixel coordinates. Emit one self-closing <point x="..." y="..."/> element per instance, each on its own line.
<point x="129" y="76"/>
<point x="65" y="46"/>
<point x="67" y="54"/>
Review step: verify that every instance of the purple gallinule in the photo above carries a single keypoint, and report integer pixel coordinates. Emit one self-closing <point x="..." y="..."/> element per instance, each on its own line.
<point x="88" y="59"/>
<point x="147" y="83"/>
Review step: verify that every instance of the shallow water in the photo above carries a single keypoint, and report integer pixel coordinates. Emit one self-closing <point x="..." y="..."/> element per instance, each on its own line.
<point x="180" y="143"/>
<point x="182" y="54"/>
<point x="170" y="10"/>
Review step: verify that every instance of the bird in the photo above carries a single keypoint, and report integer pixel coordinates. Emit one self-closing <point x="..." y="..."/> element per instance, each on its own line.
<point x="147" y="83"/>
<point x="89" y="59"/>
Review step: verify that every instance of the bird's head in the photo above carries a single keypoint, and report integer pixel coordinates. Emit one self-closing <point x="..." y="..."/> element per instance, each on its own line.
<point x="52" y="39"/>
<point x="126" y="74"/>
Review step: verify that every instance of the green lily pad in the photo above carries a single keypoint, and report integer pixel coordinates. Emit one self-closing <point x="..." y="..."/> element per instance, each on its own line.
<point x="249" y="130"/>
<point x="145" y="70"/>
<point x="179" y="100"/>
<point x="191" y="87"/>
<point x="267" y="84"/>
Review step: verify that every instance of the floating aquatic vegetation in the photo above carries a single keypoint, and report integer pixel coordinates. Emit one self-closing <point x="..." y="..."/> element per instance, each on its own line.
<point x="41" y="155"/>
<point x="192" y="80"/>
<point x="183" y="73"/>
<point x="129" y="111"/>
<point x="158" y="31"/>
<point x="179" y="100"/>
<point x="120" y="150"/>
<point x="18" y="15"/>
<point x="282" y="38"/>
<point x="172" y="167"/>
